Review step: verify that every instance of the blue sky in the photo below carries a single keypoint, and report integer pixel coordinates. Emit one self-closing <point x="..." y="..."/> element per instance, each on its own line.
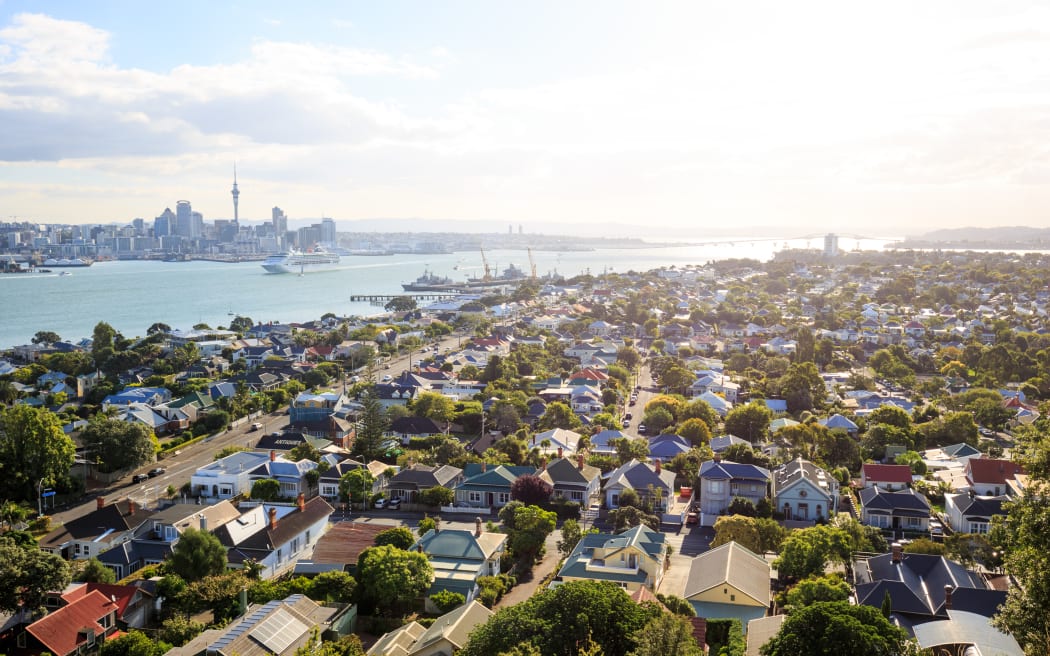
<point x="691" y="116"/>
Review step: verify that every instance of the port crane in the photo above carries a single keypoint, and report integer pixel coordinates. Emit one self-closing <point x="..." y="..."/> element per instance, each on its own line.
<point x="485" y="264"/>
<point x="532" y="263"/>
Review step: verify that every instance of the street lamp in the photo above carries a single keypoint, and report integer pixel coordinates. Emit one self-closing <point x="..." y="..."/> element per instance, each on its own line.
<point x="40" y="497"/>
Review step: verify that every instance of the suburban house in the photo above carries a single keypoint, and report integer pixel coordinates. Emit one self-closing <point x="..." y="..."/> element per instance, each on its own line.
<point x="105" y="527"/>
<point x="574" y="481"/>
<point x="601" y="442"/>
<point x="405" y="428"/>
<point x="274" y="536"/>
<point x="281" y="627"/>
<point x="888" y="477"/>
<point x="667" y="446"/>
<point x="447" y="635"/>
<point x="906" y="510"/>
<point x="729" y="582"/>
<point x="804" y="492"/>
<point x="964" y="633"/>
<point x="134" y="603"/>
<point x="290" y="474"/>
<point x="227" y="477"/>
<point x="556" y="440"/>
<point x="460" y="558"/>
<point x="76" y="628"/>
<point x="922" y="587"/>
<point x="990" y="476"/>
<point x="838" y="421"/>
<point x="410" y="481"/>
<point x="485" y="486"/>
<point x="340" y="547"/>
<point x="722" y="442"/>
<point x="652" y="483"/>
<point x="328" y="484"/>
<point x="970" y="513"/>
<point x="721" y="482"/>
<point x="631" y="559"/>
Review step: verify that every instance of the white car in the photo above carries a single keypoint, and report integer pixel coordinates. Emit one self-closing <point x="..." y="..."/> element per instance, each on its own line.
<point x="380" y="502"/>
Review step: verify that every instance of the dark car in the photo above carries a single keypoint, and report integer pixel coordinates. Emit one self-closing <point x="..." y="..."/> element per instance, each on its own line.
<point x="138" y="478"/>
<point x="156" y="471"/>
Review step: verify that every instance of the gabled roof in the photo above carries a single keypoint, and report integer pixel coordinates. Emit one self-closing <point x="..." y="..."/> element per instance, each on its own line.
<point x="344" y="542"/>
<point x="714" y="469"/>
<point x="886" y="473"/>
<point x="799" y="470"/>
<point x="59" y="631"/>
<point x="978" y="506"/>
<point x="111" y="519"/>
<point x="454" y="626"/>
<point x="499" y="476"/>
<point x="639" y="476"/>
<point x="723" y="442"/>
<point x="425" y="476"/>
<point x="121" y="595"/>
<point x="730" y="564"/>
<point x="415" y="426"/>
<point x="838" y="421"/>
<point x="904" y="502"/>
<point x="917" y="585"/>
<point x="994" y="471"/>
<point x="562" y="471"/>
<point x="460" y="544"/>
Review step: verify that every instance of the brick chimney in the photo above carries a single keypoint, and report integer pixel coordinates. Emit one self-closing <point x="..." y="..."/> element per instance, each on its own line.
<point x="579" y="461"/>
<point x="898" y="552"/>
<point x="131" y="506"/>
<point x="718" y="457"/>
<point x="948" y="590"/>
<point x="437" y="524"/>
<point x="301" y="502"/>
<point x="559" y="452"/>
<point x="273" y="455"/>
<point x="477" y="527"/>
<point x="100" y="502"/>
<point x="273" y="518"/>
<point x="658" y="465"/>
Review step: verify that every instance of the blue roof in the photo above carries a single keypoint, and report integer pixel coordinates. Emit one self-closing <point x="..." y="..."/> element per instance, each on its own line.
<point x="777" y="405"/>
<point x="732" y="470"/>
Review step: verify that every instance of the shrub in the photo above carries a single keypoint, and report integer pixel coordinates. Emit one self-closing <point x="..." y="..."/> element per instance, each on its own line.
<point x="447" y="600"/>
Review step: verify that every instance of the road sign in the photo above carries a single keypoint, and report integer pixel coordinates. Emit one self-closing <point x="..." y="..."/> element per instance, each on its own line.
<point x="49" y="493"/>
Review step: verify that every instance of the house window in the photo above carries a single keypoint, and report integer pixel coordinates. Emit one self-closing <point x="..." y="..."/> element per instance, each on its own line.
<point x="978" y="527"/>
<point x="474" y="497"/>
<point x="504" y="498"/>
<point x="280" y="556"/>
<point x="914" y="521"/>
<point x="715" y="487"/>
<point x="307" y="536"/>
<point x="295" y="545"/>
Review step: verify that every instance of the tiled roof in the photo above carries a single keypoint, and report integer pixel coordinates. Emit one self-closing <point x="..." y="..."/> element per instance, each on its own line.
<point x="992" y="470"/>
<point x="886" y="473"/>
<point x="60" y="630"/>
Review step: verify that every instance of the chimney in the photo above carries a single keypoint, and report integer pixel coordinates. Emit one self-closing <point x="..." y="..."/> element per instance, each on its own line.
<point x="301" y="502"/>
<point x="273" y="518"/>
<point x="477" y="527"/>
<point x="273" y="455"/>
<point x="437" y="524"/>
<point x="659" y="467"/>
<point x="898" y="552"/>
<point x="131" y="506"/>
<point x="579" y="461"/>
<point x="203" y="522"/>
<point x="419" y="548"/>
<point x="559" y="452"/>
<point x="100" y="503"/>
<point x="484" y="467"/>
<point x="948" y="590"/>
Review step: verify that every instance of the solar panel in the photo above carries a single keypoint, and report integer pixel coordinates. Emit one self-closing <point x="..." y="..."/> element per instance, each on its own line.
<point x="278" y="631"/>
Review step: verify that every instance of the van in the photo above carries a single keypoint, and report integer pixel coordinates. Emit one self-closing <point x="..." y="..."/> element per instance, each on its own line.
<point x="256" y="426"/>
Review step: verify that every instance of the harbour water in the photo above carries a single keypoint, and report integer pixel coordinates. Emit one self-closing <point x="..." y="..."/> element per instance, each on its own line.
<point x="132" y="295"/>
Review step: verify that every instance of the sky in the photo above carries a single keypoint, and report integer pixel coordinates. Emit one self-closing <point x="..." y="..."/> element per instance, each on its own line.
<point x="872" y="119"/>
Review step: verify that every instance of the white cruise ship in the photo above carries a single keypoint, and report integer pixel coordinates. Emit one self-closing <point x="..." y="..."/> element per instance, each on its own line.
<point x="298" y="262"/>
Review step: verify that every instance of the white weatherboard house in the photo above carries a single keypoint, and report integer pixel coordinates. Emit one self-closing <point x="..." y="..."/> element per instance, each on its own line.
<point x="804" y="492"/>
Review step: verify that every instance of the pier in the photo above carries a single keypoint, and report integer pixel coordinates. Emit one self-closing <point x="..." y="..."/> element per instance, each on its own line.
<point x="386" y="298"/>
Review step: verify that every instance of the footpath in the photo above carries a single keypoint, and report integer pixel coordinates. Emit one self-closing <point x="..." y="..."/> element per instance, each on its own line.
<point x="527" y="587"/>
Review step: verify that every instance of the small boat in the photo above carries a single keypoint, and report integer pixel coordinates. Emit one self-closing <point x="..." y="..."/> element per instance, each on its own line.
<point x="65" y="273"/>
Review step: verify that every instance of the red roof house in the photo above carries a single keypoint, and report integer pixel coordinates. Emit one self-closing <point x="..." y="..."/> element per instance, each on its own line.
<point x="80" y="624"/>
<point x="989" y="476"/>
<point x="886" y="477"/>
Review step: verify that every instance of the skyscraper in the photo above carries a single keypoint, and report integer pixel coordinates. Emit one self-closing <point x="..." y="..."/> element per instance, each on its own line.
<point x="328" y="231"/>
<point x="236" y="194"/>
<point x="183" y="218"/>
<point x="280" y="221"/>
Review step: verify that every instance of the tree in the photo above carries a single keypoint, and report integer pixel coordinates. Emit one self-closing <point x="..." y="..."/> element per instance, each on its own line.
<point x="666" y="634"/>
<point x="180" y="629"/>
<point x="699" y="409"/>
<point x="356" y="485"/>
<point x="28" y="574"/>
<point x="372" y="426"/>
<point x="133" y="643"/>
<point x="696" y="431"/>
<point x="447" y="600"/>
<point x="93" y="571"/>
<point x="46" y="337"/>
<point x="532" y="525"/>
<point x="399" y="536"/>
<point x="400" y="304"/>
<point x="196" y="555"/>
<point x="657" y="419"/>
<point x="571" y="534"/>
<point x="558" y="415"/>
<point x="808" y="591"/>
<point x="432" y="405"/>
<point x="241" y="324"/>
<point x="806" y="552"/>
<point x="1027" y="543"/>
<point x="266" y="489"/>
<point x="835" y="628"/>
<point x="531" y="490"/>
<point x="437" y="496"/>
<point x="35" y="448"/>
<point x="427" y="524"/>
<point x="333" y="586"/>
<point x="626" y="517"/>
<point x="389" y="576"/>
<point x="749" y="421"/>
<point x="118" y="445"/>
<point x="630" y="448"/>
<point x="555" y="621"/>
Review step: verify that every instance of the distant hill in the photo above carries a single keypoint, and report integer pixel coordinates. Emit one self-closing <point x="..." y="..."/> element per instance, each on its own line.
<point x="1010" y="237"/>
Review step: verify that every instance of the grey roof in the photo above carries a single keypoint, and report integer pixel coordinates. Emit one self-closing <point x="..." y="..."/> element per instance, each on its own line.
<point x="917" y="585"/>
<point x="454" y="626"/>
<point x="978" y="506"/>
<point x="906" y="502"/>
<point x="792" y="472"/>
<point x="649" y="541"/>
<point x="723" y="442"/>
<point x="714" y="469"/>
<point x="963" y="628"/>
<point x="563" y="471"/>
<point x="639" y="476"/>
<point x="732" y="564"/>
<point x="424" y="476"/>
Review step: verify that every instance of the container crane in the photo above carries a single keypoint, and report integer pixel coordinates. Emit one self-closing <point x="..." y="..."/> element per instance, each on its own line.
<point x="532" y="262"/>
<point x="485" y="264"/>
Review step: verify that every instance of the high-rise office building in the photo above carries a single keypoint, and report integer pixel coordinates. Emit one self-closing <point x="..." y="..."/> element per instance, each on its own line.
<point x="183" y="219"/>
<point x="280" y="221"/>
<point x="831" y="245"/>
<point x="328" y="231"/>
<point x="164" y="224"/>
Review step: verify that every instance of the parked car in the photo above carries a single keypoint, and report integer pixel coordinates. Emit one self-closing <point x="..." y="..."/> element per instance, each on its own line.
<point x="254" y="427"/>
<point x="138" y="478"/>
<point x="394" y="504"/>
<point x="380" y="502"/>
<point x="641" y="429"/>
<point x="628" y="416"/>
<point x="156" y="471"/>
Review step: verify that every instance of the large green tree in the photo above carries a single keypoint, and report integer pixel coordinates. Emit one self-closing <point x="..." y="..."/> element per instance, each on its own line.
<point x="806" y="552"/>
<point x="1025" y="533"/>
<point x="27" y="574"/>
<point x="749" y="421"/>
<point x="118" y="445"/>
<point x="835" y="628"/>
<point x="556" y="621"/>
<point x="666" y="635"/>
<point x="532" y="525"/>
<point x="432" y="405"/>
<point x="372" y="424"/>
<point x="133" y="643"/>
<point x="389" y="577"/>
<point x="33" y="448"/>
<point x="196" y="555"/>
<point x="356" y="485"/>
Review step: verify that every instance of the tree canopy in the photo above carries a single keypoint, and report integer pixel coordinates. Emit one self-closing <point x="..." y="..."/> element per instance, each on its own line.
<point x="836" y="628"/>
<point x="27" y="574"/>
<point x="118" y="445"/>
<point x="389" y="576"/>
<point x="35" y="448"/>
<point x="196" y="555"/>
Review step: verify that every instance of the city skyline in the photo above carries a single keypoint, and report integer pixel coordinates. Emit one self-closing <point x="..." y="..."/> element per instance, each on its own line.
<point x="809" y="117"/>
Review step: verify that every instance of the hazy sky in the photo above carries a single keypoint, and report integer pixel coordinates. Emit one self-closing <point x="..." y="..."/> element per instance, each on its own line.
<point x="869" y="118"/>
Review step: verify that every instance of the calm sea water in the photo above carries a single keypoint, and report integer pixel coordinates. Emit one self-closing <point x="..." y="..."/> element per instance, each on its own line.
<point x="133" y="295"/>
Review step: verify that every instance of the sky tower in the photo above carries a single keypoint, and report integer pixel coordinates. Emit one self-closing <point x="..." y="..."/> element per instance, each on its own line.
<point x="236" y="193"/>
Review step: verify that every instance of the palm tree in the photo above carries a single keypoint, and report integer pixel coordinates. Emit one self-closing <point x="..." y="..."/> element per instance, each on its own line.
<point x="12" y="513"/>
